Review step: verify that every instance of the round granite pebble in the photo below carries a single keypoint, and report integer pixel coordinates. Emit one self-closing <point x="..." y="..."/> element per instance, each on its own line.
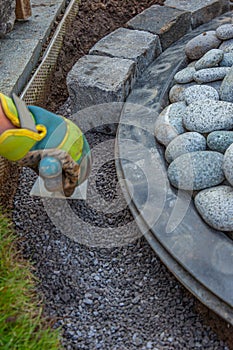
<point x="215" y="205"/>
<point x="185" y="75"/>
<point x="210" y="59"/>
<point x="176" y="93"/>
<point x="196" y="170"/>
<point x="210" y="74"/>
<point x="185" y="143"/>
<point x="227" y="46"/>
<point x="201" y="44"/>
<point x="225" y="31"/>
<point x="220" y="140"/>
<point x="208" y="115"/>
<point x="200" y="92"/>
<point x="227" y="87"/>
<point x="170" y="123"/>
<point x="227" y="60"/>
<point x="227" y="164"/>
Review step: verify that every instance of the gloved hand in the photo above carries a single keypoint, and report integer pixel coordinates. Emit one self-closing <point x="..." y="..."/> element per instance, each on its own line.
<point x="51" y="145"/>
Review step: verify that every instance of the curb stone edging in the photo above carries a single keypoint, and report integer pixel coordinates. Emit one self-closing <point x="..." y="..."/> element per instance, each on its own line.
<point x="174" y="22"/>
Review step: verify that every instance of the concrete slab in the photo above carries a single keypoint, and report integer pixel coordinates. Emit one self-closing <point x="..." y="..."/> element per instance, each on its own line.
<point x="167" y="22"/>
<point x="16" y="63"/>
<point x="142" y="47"/>
<point x="96" y="79"/>
<point x="202" y="11"/>
<point x="20" y="49"/>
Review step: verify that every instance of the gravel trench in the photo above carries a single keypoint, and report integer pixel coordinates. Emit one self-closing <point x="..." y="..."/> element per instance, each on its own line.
<point x="119" y="297"/>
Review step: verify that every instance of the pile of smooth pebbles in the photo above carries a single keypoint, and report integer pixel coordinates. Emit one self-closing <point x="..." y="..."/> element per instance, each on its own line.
<point x="197" y="127"/>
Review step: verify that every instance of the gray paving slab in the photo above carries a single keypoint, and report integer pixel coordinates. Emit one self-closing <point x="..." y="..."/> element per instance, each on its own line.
<point x="202" y="10"/>
<point x="167" y="22"/>
<point x="142" y="47"/>
<point x="99" y="79"/>
<point x="20" y="49"/>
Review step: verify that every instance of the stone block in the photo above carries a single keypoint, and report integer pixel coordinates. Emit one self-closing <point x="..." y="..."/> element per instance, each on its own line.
<point x="7" y="16"/>
<point x="139" y="46"/>
<point x="99" y="79"/>
<point x="167" y="22"/>
<point x="202" y="11"/>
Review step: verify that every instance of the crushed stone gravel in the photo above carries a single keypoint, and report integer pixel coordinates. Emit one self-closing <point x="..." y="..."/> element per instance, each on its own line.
<point x="107" y="298"/>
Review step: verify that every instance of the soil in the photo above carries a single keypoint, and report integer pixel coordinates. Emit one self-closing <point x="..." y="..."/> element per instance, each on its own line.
<point x="95" y="19"/>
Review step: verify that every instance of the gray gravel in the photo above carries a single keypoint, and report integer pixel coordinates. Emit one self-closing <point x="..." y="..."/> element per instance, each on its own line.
<point x="118" y="298"/>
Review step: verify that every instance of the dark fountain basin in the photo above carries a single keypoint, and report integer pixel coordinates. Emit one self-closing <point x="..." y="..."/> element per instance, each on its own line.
<point x="200" y="257"/>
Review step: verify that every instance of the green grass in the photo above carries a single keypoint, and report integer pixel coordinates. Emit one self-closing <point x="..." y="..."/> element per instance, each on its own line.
<point x="22" y="325"/>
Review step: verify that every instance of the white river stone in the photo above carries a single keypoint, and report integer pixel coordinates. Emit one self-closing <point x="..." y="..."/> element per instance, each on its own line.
<point x="227" y="87"/>
<point x="227" y="60"/>
<point x="210" y="74"/>
<point x="196" y="170"/>
<point x="185" y="143"/>
<point x="215" y="205"/>
<point x="225" y="31"/>
<point x="227" y="164"/>
<point x="220" y="140"/>
<point x="201" y="44"/>
<point x="208" y="115"/>
<point x="200" y="92"/>
<point x="210" y="59"/>
<point x="227" y="45"/>
<point x="185" y="75"/>
<point x="170" y="123"/>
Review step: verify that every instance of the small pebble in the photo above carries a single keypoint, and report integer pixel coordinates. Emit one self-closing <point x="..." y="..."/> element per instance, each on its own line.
<point x="215" y="84"/>
<point x="227" y="87"/>
<point x="227" y="46"/>
<point x="196" y="170"/>
<point x="208" y="115"/>
<point x="170" y="123"/>
<point x="201" y="44"/>
<point x="210" y="59"/>
<point x="215" y="205"/>
<point x="225" y="31"/>
<point x="227" y="164"/>
<point x="220" y="140"/>
<point x="185" y="143"/>
<point x="227" y="60"/>
<point x="176" y="93"/>
<point x="210" y="74"/>
<point x="185" y="75"/>
<point x="200" y="92"/>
